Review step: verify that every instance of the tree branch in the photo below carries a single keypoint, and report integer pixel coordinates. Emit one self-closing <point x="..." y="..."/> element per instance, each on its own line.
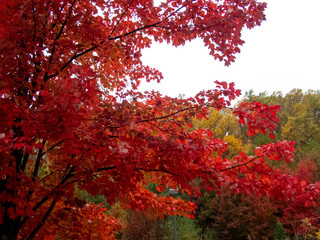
<point x="24" y="161"/>
<point x="69" y="229"/>
<point x="34" y="21"/>
<point x="37" y="164"/>
<point x="52" y="147"/>
<point x="109" y="38"/>
<point x="106" y="168"/>
<point x="239" y="165"/>
<point x="122" y="15"/>
<point x="75" y="56"/>
<point x="169" y="115"/>
<point x="148" y="26"/>
<point x="163" y="130"/>
<point x="158" y="170"/>
<point x="163" y="117"/>
<point x="135" y="30"/>
<point x="43" y="200"/>
<point x="46" y="77"/>
<point x="18" y="157"/>
<point x="43" y="220"/>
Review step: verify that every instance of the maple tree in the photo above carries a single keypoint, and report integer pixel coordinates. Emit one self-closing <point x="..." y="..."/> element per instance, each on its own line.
<point x="73" y="118"/>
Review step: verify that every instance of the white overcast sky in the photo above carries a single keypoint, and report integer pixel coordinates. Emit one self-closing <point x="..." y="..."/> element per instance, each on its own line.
<point x="281" y="54"/>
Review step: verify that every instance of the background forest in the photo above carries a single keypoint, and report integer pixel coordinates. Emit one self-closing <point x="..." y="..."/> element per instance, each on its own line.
<point x="224" y="215"/>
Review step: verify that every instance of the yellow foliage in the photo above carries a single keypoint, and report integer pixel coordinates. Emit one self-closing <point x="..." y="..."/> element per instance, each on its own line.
<point x="234" y="145"/>
<point x="118" y="212"/>
<point x="222" y="123"/>
<point x="225" y="126"/>
<point x="288" y="128"/>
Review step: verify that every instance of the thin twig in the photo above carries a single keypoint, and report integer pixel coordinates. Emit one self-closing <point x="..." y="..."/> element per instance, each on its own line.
<point x="239" y="165"/>
<point x="122" y="15"/>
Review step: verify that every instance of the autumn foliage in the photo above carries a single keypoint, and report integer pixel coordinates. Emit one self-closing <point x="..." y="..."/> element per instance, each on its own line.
<point x="72" y="116"/>
<point x="229" y="216"/>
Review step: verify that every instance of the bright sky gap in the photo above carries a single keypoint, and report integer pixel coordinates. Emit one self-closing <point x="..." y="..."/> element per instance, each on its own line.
<point x="280" y="55"/>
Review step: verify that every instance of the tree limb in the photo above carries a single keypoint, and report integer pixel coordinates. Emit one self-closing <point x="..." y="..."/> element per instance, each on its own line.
<point x="239" y="165"/>
<point x="41" y="223"/>
<point x="46" y="77"/>
<point x="43" y="200"/>
<point x="39" y="157"/>
<point x="110" y="38"/>
<point x="24" y="161"/>
<point x="122" y="15"/>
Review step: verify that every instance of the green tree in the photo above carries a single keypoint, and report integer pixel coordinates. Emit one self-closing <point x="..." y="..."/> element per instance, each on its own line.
<point x="279" y="232"/>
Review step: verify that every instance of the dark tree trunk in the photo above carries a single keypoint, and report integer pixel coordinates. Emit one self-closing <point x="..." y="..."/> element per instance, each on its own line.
<point x="9" y="228"/>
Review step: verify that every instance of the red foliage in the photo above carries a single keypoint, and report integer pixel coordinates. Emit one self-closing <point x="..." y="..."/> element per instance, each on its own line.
<point x="307" y="171"/>
<point x="237" y="217"/>
<point x="259" y="118"/>
<point x="88" y="222"/>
